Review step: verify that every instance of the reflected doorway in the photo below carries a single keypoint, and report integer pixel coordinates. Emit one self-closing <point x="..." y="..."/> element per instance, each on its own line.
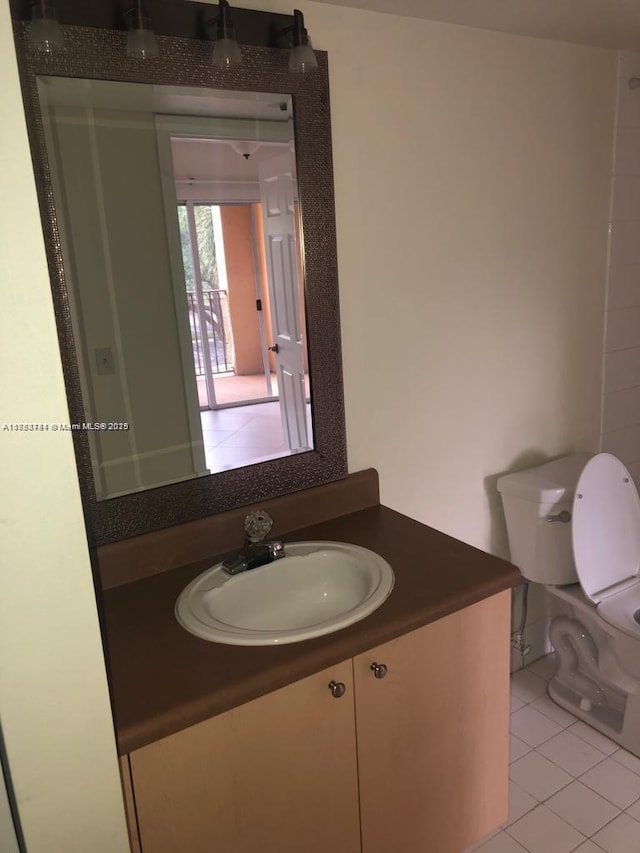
<point x="231" y="325"/>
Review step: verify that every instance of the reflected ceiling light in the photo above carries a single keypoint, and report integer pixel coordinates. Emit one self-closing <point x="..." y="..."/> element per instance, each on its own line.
<point x="226" y="50"/>
<point x="301" y="56"/>
<point x="244" y="147"/>
<point x="46" y="32"/>
<point x="141" y="41"/>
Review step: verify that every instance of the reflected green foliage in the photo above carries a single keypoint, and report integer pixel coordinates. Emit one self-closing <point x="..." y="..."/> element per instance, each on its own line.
<point x="185" y="242"/>
<point x="206" y="246"/>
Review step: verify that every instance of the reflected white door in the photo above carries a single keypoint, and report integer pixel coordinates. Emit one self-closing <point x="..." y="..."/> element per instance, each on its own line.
<point x="277" y="181"/>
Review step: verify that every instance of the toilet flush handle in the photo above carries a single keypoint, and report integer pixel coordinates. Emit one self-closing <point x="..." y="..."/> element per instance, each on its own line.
<point x="564" y="517"/>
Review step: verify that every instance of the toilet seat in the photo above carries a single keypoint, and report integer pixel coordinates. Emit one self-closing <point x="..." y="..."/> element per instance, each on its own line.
<point x="619" y="609"/>
<point x="606" y="540"/>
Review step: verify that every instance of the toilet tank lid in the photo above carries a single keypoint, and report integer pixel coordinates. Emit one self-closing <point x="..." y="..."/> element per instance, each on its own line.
<point x="549" y="483"/>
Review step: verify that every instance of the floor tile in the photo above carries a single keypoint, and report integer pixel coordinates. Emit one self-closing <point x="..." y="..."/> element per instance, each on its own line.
<point x="622" y="835"/>
<point x="516" y="703"/>
<point x="254" y="438"/>
<point x="548" y="707"/>
<point x="527" y="685"/>
<point x="542" y="831"/>
<point x="500" y="843"/>
<point x="517" y="748"/>
<point x="538" y="776"/>
<point x="595" y="738"/>
<point x="242" y="435"/>
<point x="234" y="457"/>
<point x="627" y="759"/>
<point x="213" y="436"/>
<point x="475" y="847"/>
<point x="549" y="810"/>
<point x="573" y="754"/>
<point x="582" y="808"/>
<point x="225" y="418"/>
<point x="544" y="667"/>
<point x="478" y="844"/>
<point x="611" y="780"/>
<point x="634" y="810"/>
<point x="533" y="727"/>
<point x="519" y="803"/>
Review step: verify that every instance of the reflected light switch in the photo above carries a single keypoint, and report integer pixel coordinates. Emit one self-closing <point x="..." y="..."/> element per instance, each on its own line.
<point x="104" y="361"/>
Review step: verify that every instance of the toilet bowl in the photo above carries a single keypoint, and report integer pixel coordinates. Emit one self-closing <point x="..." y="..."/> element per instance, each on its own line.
<point x="574" y="526"/>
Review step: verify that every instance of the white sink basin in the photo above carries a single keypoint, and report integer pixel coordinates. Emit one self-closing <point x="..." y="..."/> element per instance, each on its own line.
<point x="318" y="588"/>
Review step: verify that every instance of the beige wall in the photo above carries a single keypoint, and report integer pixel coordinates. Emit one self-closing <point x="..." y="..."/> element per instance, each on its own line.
<point x="472" y="247"/>
<point x="472" y="179"/>
<point x="54" y="705"/>
<point x="621" y="387"/>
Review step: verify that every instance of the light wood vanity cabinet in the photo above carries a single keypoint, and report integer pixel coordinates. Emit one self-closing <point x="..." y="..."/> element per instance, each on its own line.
<point x="410" y="762"/>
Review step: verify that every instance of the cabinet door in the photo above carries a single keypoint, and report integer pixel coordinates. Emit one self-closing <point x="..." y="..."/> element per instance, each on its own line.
<point x="433" y="748"/>
<point x="276" y="774"/>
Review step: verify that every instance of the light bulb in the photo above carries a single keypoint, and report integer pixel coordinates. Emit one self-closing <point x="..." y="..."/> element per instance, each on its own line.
<point x="226" y="53"/>
<point x="302" y="58"/>
<point x="46" y="32"/>
<point x="141" y="41"/>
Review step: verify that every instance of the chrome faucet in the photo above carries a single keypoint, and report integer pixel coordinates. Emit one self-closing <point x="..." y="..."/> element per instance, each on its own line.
<point x="257" y="550"/>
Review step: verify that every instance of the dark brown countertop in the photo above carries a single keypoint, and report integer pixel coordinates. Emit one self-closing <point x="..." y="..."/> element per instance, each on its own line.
<point x="163" y="679"/>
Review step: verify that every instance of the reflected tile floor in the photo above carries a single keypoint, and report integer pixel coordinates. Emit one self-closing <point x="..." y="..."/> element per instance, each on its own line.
<point x="571" y="788"/>
<point x="244" y="435"/>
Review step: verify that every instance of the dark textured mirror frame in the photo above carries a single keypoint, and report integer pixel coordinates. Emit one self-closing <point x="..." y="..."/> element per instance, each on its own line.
<point x="96" y="53"/>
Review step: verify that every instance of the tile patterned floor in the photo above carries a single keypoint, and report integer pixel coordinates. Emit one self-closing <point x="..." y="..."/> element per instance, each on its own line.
<point x="244" y="435"/>
<point x="571" y="788"/>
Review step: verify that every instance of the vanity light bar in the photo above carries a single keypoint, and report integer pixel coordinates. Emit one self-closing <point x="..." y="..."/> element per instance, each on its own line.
<point x="179" y="18"/>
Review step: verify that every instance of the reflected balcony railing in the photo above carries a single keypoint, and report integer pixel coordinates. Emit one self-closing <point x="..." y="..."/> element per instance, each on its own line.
<point x="211" y="320"/>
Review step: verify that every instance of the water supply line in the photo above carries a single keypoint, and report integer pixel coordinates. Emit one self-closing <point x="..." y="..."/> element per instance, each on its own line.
<point x="517" y="637"/>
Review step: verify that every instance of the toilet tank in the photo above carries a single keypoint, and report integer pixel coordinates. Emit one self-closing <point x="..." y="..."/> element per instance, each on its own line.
<point x="542" y="549"/>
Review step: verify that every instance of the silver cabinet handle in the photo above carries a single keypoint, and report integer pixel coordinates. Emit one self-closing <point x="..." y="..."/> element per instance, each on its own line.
<point x="378" y="669"/>
<point x="337" y="689"/>
<point x="564" y="517"/>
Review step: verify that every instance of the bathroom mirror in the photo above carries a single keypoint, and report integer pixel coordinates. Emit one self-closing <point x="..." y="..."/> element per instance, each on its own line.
<point x="177" y="210"/>
<point x="189" y="224"/>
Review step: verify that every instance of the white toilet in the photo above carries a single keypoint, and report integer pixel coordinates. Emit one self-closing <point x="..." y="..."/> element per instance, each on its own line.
<point x="574" y="526"/>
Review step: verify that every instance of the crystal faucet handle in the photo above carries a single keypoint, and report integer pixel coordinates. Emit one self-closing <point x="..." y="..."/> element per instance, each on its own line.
<point x="257" y="525"/>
